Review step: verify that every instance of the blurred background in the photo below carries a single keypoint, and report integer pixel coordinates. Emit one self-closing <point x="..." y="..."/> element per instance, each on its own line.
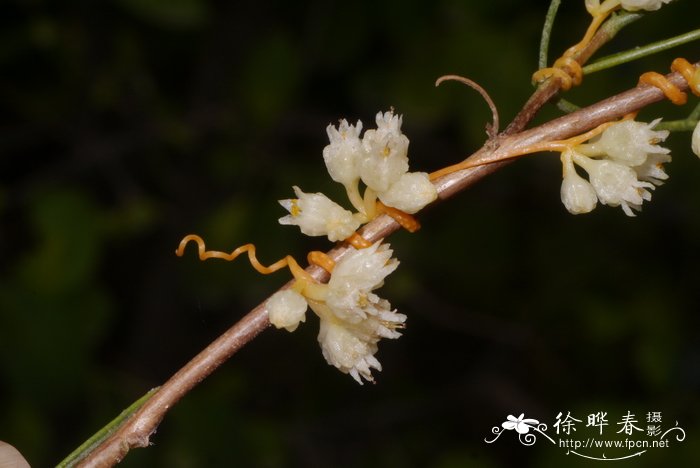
<point x="126" y="124"/>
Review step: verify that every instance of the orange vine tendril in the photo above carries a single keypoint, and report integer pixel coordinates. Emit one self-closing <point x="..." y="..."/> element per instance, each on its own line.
<point x="670" y="90"/>
<point x="563" y="145"/>
<point x="572" y="67"/>
<point x="567" y="68"/>
<point x="598" y="19"/>
<point x="557" y="145"/>
<point x="406" y="221"/>
<point x="358" y="241"/>
<point x="204" y="254"/>
<point x="322" y="260"/>
<point x="689" y="72"/>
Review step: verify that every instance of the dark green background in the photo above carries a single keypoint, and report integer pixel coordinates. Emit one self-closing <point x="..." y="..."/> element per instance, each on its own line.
<point x="128" y="124"/>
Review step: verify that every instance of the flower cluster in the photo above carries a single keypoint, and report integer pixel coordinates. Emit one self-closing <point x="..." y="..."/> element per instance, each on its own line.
<point x="623" y="164"/>
<point x="380" y="160"/>
<point x="353" y="318"/>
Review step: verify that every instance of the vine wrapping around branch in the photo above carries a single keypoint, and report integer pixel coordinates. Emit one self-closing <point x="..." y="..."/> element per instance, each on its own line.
<point x="137" y="430"/>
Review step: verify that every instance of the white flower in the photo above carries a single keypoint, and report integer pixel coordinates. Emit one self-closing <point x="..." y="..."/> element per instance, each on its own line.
<point x="630" y="162"/>
<point x="386" y="153"/>
<point x="353" y="318"/>
<point x="615" y="184"/>
<point x="351" y="350"/>
<point x="696" y="140"/>
<point x="344" y="153"/>
<point x="577" y="194"/>
<point x="629" y="142"/>
<point x="653" y="170"/>
<point x="350" y="347"/>
<point x="649" y="5"/>
<point x="411" y="193"/>
<point x="286" y="309"/>
<point x="317" y="215"/>
<point x="354" y="278"/>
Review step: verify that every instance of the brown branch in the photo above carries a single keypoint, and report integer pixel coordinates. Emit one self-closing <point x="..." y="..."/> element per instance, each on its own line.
<point x="136" y="432"/>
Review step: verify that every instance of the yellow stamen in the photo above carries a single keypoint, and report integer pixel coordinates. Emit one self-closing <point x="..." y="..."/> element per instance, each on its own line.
<point x="295" y="211"/>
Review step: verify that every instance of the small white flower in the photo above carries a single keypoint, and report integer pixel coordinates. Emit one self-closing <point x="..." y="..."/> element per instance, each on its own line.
<point x="344" y="153"/>
<point x="317" y="215"/>
<point x="653" y="170"/>
<point x="386" y="149"/>
<point x="695" y="145"/>
<point x="350" y="350"/>
<point x="354" y="278"/>
<point x="629" y="142"/>
<point x="286" y="309"/>
<point x="411" y="193"/>
<point x="350" y="347"/>
<point x="353" y="318"/>
<point x="615" y="184"/>
<point x="577" y="194"/>
<point x="648" y="5"/>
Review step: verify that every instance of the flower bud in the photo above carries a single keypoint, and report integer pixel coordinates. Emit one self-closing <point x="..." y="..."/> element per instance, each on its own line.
<point x="410" y="193"/>
<point x="286" y="309"/>
<point x="577" y="194"/>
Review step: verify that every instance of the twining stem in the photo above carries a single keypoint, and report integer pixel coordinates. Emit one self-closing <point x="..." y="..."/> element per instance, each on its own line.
<point x="629" y="56"/>
<point x="554" y="145"/>
<point x="550" y="88"/>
